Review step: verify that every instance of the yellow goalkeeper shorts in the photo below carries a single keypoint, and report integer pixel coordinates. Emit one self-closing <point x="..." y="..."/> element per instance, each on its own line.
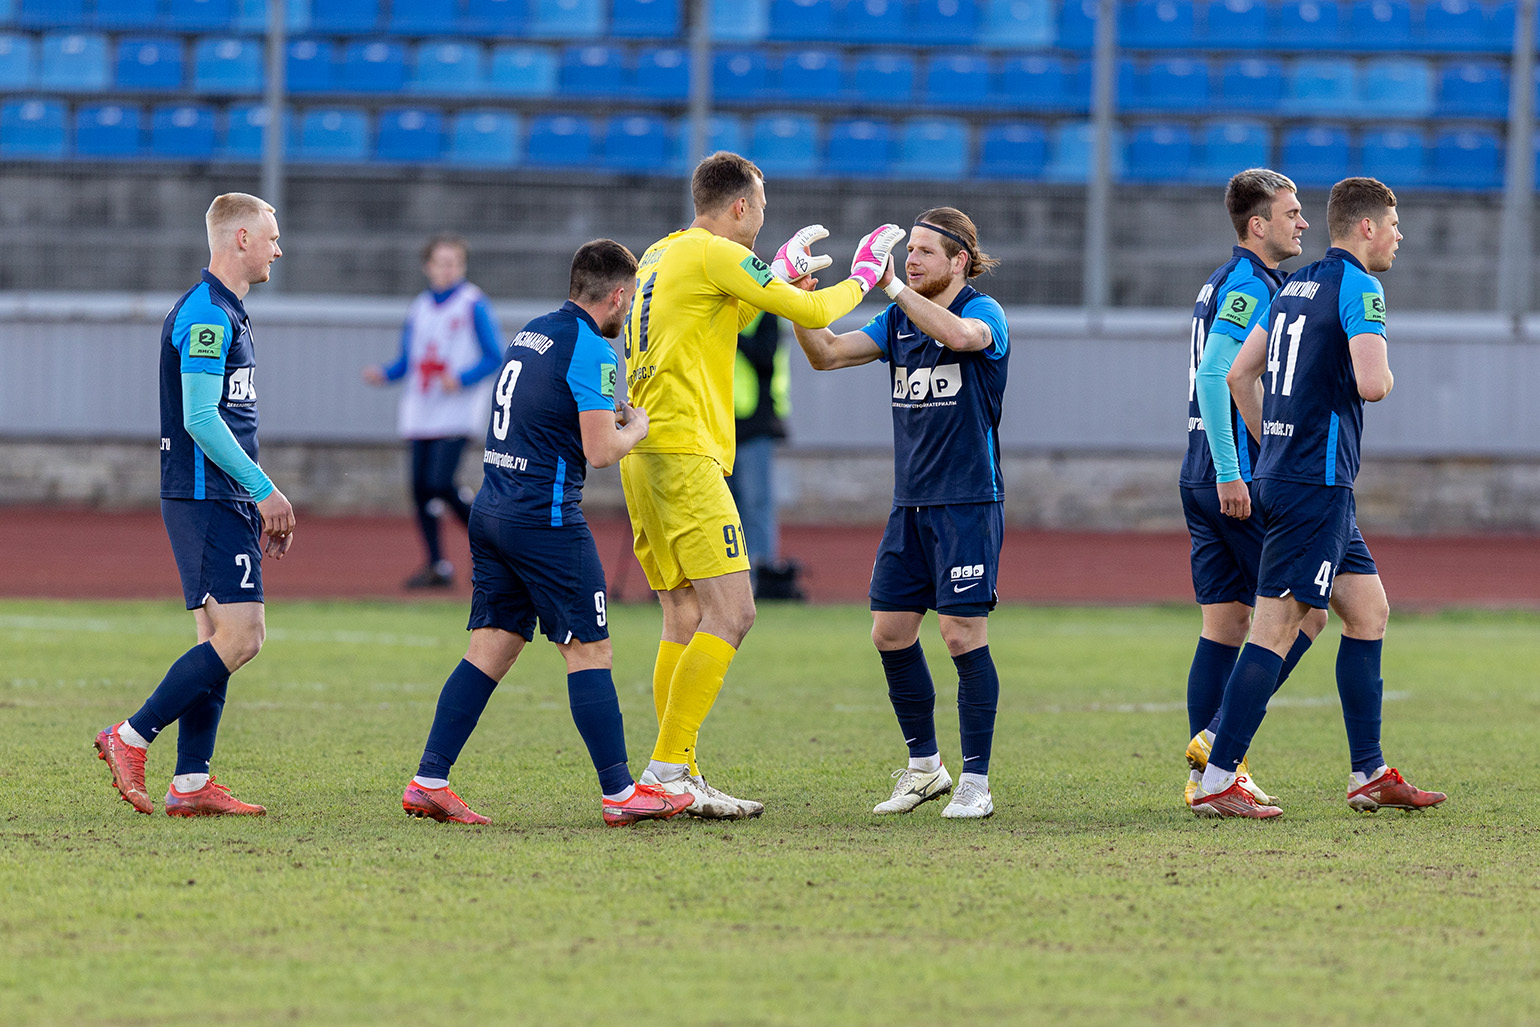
<point x="684" y="523"/>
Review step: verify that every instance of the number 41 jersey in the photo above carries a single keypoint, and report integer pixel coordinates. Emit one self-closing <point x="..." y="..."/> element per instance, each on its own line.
<point x="555" y="368"/>
<point x="1312" y="414"/>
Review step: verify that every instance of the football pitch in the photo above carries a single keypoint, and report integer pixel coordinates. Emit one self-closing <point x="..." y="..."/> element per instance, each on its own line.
<point x="1091" y="897"/>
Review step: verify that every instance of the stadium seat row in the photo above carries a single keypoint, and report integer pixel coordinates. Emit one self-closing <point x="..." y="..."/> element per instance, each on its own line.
<point x="785" y="145"/>
<point x="1434" y="25"/>
<point x="1397" y="86"/>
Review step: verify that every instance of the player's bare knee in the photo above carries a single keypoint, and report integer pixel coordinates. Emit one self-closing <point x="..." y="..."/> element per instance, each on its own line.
<point x="963" y="634"/>
<point x="1315" y="623"/>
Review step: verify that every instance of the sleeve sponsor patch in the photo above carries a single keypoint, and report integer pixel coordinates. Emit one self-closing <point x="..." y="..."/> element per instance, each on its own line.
<point x="1374" y="307"/>
<point x="757" y="269"/>
<point x="206" y="341"/>
<point x="1237" y="308"/>
<point x="607" y="380"/>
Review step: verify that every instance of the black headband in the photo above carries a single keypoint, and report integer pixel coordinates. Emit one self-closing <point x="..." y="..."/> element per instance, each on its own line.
<point x="959" y="240"/>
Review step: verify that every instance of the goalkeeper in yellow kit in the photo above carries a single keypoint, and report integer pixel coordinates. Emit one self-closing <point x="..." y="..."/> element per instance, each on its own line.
<point x="694" y="290"/>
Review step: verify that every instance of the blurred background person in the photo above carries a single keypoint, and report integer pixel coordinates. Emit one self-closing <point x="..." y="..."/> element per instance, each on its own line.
<point x="449" y="345"/>
<point x="761" y="403"/>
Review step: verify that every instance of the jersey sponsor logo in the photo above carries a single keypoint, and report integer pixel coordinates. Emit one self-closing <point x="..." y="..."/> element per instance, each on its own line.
<point x="1194" y="424"/>
<point x="607" y="380"/>
<point x="206" y="341"/>
<point x="1305" y="289"/>
<point x="1237" y="308"/>
<point x="1282" y="429"/>
<point x="941" y="382"/>
<point x="1374" y="307"/>
<point x="641" y="374"/>
<point x="965" y="576"/>
<point x="757" y="269"/>
<point x="534" y="340"/>
<point x="506" y="461"/>
<point x="239" y="386"/>
<point x="165" y="445"/>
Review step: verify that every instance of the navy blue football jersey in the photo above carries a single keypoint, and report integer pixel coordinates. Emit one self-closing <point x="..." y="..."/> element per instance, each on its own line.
<point x="206" y="332"/>
<point x="946" y="406"/>
<point x="1226" y="308"/>
<point x="553" y="369"/>
<point x="1312" y="415"/>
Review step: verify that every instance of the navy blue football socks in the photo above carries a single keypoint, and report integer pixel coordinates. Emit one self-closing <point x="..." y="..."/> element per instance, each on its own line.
<point x="596" y="712"/>
<point x="1251" y="685"/>
<point x="913" y="696"/>
<point x="1296" y="653"/>
<point x="978" y="695"/>
<point x="1362" y="691"/>
<point x="196" y="673"/>
<point x="465" y="695"/>
<point x="196" y="730"/>
<point x="1211" y="667"/>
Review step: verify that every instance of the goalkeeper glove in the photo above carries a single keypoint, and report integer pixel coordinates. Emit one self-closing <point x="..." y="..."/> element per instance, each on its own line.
<point x="871" y="258"/>
<point x="793" y="261"/>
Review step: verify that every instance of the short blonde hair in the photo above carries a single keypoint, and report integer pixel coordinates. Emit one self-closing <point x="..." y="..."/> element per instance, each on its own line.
<point x="233" y="209"/>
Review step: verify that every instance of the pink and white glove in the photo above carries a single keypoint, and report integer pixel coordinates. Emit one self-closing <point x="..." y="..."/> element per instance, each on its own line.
<point x="793" y="261"/>
<point x="871" y="257"/>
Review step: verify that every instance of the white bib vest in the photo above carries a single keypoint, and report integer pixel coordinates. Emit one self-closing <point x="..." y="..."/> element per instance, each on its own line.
<point x="442" y="338"/>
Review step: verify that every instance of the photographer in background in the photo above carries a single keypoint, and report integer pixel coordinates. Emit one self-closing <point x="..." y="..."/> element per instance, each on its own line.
<point x="761" y="401"/>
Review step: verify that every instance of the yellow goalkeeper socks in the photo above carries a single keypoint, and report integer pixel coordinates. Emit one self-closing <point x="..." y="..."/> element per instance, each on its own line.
<point x="697" y="680"/>
<point x="663" y="674"/>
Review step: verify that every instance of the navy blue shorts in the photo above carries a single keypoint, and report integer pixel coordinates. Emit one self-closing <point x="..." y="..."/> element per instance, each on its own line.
<point x="1225" y="551"/>
<point x="218" y="548"/>
<point x="519" y="573"/>
<point x="1312" y="536"/>
<point x="942" y="558"/>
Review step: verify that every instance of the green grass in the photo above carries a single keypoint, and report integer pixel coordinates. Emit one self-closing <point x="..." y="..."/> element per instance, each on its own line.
<point x="1091" y="897"/>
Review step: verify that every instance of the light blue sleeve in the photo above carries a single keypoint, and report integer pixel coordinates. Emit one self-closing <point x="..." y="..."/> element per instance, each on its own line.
<point x="1361" y="301"/>
<point x="200" y="416"/>
<point x="591" y="375"/>
<point x="491" y="346"/>
<point x="396" y="371"/>
<point x="878" y="327"/>
<point x="1214" y="403"/>
<point x="987" y="310"/>
<point x="202" y="335"/>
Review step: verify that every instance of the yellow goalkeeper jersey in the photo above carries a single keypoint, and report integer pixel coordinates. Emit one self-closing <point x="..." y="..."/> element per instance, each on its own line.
<point x="694" y="291"/>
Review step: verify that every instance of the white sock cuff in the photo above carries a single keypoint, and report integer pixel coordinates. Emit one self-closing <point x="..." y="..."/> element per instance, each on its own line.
<point x="431" y="782"/>
<point x="127" y="733"/>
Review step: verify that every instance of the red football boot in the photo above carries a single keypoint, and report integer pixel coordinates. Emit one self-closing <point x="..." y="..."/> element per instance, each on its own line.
<point x="1392" y="791"/>
<point x="647" y="803"/>
<point x="440" y="804"/>
<point x="212" y="800"/>
<point x="1235" y="801"/>
<point x="127" y="765"/>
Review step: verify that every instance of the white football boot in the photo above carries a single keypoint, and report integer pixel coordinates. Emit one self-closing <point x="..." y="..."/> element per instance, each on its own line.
<point x="913" y="788"/>
<point x="710" y="803"/>
<point x="969" y="803"/>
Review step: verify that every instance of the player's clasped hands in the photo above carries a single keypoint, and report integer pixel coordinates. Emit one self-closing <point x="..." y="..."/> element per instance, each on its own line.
<point x="793" y="262"/>
<point x="277" y="524"/>
<point x="626" y="414"/>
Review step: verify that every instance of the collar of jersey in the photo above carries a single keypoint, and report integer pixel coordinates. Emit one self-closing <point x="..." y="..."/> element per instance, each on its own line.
<point x="1338" y="253"/>
<point x="216" y="285"/>
<point x="440" y="297"/>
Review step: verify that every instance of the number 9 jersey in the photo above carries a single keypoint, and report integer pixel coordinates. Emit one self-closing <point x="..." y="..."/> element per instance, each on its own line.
<point x="556" y="367"/>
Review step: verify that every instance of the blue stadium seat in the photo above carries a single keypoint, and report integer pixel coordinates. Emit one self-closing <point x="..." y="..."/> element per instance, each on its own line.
<point x="872" y="21"/>
<point x="308" y="67"/>
<point x="1045" y="83"/>
<point x="108" y="130"/>
<point x="1316" y="154"/>
<point x="372" y="66"/>
<point x="1018" y="24"/>
<point x="182" y="132"/>
<point x="1473" y="89"/>
<point x="424" y="18"/>
<point x="957" y="80"/>
<point x="1077" y="24"/>
<point x="640" y="143"/>
<point x="740" y="21"/>
<point x="1235" y="24"/>
<point x="409" y="134"/>
<point x="723" y="132"/>
<point x="31" y="128"/>
<point x="739" y="75"/>
<point x="645" y="19"/>
<point x="1012" y="149"/>
<point x="1320" y="85"/>
<point x="881" y="77"/>
<point x="251" y="16"/>
<point x="566" y="19"/>
<point x="149" y="63"/>
<point x="7" y="11"/>
<point x="1458" y="25"/>
<point x="1073" y="144"/>
<point x="344" y="17"/>
<point x="1467" y="159"/>
<point x="1250" y="84"/>
<point x="810" y="76"/>
<point x="496" y="17"/>
<point x="1173" y="84"/>
<point x="17" y="55"/>
<point x="803" y="20"/>
<point x="1380" y="25"/>
<point x="1226" y="147"/>
<point x="859" y="148"/>
<point x="560" y="140"/>
<point x="1159" y="24"/>
<point x="521" y="70"/>
<point x="244" y="129"/>
<point x="944" y="22"/>
<point x="1159" y="153"/>
<point x="484" y="138"/>
<point x="1397" y="156"/>
<point x="200" y="15"/>
<point x="333" y="134"/>
<point x="1399" y="86"/>
<point x="447" y="68"/>
<point x="784" y="144"/>
<point x="663" y="73"/>
<point x="593" y="71"/>
<point x="73" y="62"/>
<point x="125" y="14"/>
<point x="51" y="14"/>
<point x="931" y="148"/>
<point x="1307" y="25"/>
<point x="227" y="65"/>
